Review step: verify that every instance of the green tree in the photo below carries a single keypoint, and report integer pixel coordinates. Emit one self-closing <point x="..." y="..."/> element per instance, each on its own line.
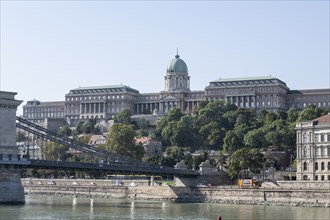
<point x="65" y="130"/>
<point x="123" y="117"/>
<point x="54" y="151"/>
<point x="213" y="135"/>
<point x="310" y="113"/>
<point x="197" y="160"/>
<point x="21" y="136"/>
<point x="244" y="161"/>
<point x="186" y="133"/>
<point x="212" y="125"/>
<point x="120" y="140"/>
<point x="292" y="115"/>
<point x="256" y="138"/>
<point x="143" y="128"/>
<point x="174" y="152"/>
<point x="168" y="132"/>
<point x="78" y="129"/>
<point x="281" y="135"/>
<point x="165" y="128"/>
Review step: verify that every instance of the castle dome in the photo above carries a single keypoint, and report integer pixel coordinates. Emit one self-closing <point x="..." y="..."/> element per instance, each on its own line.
<point x="177" y="65"/>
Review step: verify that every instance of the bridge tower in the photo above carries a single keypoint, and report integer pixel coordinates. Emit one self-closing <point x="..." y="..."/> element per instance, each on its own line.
<point x="11" y="190"/>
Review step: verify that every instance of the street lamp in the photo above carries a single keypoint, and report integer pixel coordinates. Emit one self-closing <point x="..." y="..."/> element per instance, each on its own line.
<point x="290" y="167"/>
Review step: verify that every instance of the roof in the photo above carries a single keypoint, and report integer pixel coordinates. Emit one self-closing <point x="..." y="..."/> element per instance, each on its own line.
<point x="308" y="91"/>
<point x="36" y="103"/>
<point x="103" y="89"/>
<point x="325" y="119"/>
<point x="245" y="79"/>
<point x="177" y="65"/>
<point x="142" y="140"/>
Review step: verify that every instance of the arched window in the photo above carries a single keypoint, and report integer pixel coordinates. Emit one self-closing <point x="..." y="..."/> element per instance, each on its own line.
<point x="322" y="166"/>
<point x="305" y="165"/>
<point x="316" y="165"/>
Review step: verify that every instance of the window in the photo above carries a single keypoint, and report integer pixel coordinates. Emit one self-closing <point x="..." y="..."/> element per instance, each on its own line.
<point x="322" y="178"/>
<point x="322" y="166"/>
<point x="328" y="165"/>
<point x="328" y="177"/>
<point x="305" y="177"/>
<point x="316" y="165"/>
<point x="322" y="151"/>
<point x="322" y="138"/>
<point x="305" y="165"/>
<point x="305" y="138"/>
<point x="328" y="138"/>
<point x="305" y="152"/>
<point x="316" y="177"/>
<point x="316" y="138"/>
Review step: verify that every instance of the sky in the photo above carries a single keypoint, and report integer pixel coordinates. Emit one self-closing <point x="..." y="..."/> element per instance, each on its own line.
<point x="51" y="47"/>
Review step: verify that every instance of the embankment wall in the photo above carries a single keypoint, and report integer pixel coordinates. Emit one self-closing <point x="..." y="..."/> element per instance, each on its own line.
<point x="226" y="195"/>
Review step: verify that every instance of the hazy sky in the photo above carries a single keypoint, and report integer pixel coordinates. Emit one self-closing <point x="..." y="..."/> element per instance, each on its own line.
<point x="50" y="47"/>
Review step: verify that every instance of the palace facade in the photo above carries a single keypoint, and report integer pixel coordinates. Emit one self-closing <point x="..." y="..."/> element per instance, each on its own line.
<point x="103" y="102"/>
<point x="313" y="149"/>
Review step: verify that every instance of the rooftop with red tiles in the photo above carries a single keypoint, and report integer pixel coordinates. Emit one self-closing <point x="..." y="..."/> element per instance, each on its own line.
<point x="325" y="119"/>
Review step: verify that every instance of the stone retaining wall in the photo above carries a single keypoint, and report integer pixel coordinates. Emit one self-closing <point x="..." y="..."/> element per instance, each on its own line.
<point x="228" y="195"/>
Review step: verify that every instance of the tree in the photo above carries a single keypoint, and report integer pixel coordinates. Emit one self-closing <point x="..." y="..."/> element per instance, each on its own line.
<point x="256" y="138"/>
<point x="78" y="129"/>
<point x="175" y="153"/>
<point x="168" y="132"/>
<point x="232" y="142"/>
<point x="245" y="161"/>
<point x="280" y="134"/>
<point x="309" y="113"/>
<point x="65" y="130"/>
<point x="197" y="160"/>
<point x="120" y="140"/>
<point x="21" y="136"/>
<point x="292" y="115"/>
<point x="143" y="128"/>
<point x="54" y="151"/>
<point x="212" y="124"/>
<point x="123" y="117"/>
<point x="186" y="133"/>
<point x="165" y="128"/>
<point x="213" y="135"/>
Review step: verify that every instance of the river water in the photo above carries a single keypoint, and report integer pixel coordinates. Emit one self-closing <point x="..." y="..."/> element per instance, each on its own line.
<point x="48" y="207"/>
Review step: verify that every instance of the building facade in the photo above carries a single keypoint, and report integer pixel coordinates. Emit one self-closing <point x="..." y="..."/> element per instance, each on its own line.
<point x="99" y="102"/>
<point x="103" y="102"/>
<point x="313" y="149"/>
<point x="36" y="111"/>
<point x="258" y="93"/>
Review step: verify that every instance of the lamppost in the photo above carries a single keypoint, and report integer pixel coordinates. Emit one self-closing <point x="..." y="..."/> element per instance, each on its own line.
<point x="273" y="170"/>
<point x="290" y="167"/>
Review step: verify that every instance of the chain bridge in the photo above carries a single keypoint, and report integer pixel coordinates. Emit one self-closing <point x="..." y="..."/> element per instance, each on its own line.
<point x="108" y="161"/>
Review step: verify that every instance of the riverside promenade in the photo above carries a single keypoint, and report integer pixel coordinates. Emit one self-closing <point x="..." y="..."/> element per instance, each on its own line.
<point x="269" y="194"/>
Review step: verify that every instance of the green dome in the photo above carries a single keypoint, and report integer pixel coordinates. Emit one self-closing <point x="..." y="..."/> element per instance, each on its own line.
<point x="177" y="65"/>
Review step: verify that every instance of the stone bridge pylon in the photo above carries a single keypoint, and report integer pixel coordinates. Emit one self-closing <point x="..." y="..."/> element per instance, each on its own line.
<point x="11" y="190"/>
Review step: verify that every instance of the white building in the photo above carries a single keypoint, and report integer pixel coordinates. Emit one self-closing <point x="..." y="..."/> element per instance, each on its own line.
<point x="313" y="149"/>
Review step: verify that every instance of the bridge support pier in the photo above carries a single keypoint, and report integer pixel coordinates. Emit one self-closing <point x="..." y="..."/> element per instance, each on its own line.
<point x="11" y="190"/>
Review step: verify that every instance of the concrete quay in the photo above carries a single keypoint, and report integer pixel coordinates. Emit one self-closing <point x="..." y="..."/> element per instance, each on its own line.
<point x="221" y="194"/>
